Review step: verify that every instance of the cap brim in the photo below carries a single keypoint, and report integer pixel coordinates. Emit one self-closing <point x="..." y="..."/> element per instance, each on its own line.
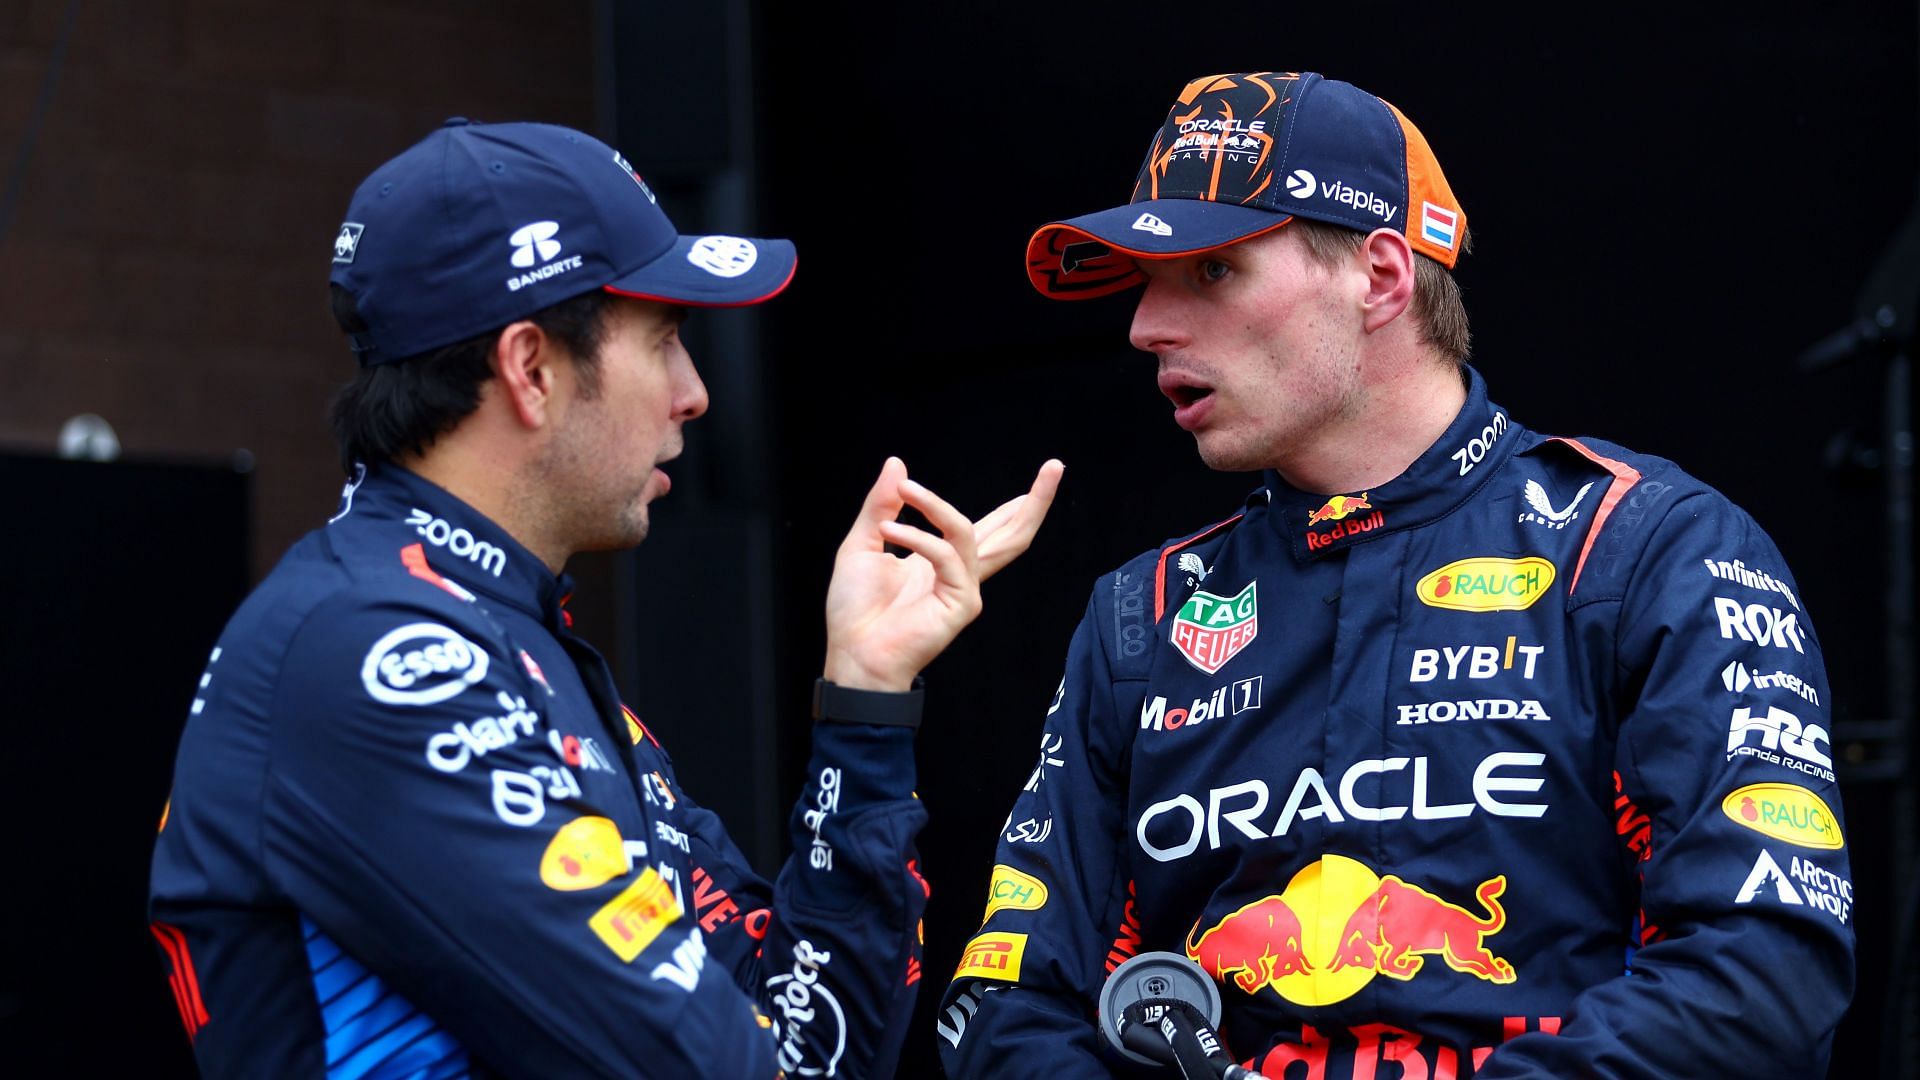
<point x="712" y="271"/>
<point x="1093" y="255"/>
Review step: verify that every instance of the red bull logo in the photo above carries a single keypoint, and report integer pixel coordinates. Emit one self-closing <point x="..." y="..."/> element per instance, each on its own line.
<point x="1340" y="510"/>
<point x="1337" y="925"/>
<point x="1339" y="507"/>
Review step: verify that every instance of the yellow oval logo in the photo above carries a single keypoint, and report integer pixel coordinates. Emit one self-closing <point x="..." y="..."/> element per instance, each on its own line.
<point x="1785" y="812"/>
<point x="1013" y="889"/>
<point x="1487" y="584"/>
<point x="585" y="853"/>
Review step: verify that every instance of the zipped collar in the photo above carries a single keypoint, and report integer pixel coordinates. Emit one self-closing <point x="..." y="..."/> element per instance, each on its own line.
<point x="387" y="510"/>
<point x="1472" y="449"/>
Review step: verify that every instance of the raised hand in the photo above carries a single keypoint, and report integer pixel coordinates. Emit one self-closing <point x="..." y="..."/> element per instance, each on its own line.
<point x="887" y="617"/>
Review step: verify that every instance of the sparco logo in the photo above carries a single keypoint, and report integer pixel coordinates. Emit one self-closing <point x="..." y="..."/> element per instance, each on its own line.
<point x="421" y="664"/>
<point x="458" y="541"/>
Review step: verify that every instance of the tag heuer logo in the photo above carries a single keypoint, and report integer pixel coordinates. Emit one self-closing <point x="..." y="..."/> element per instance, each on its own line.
<point x="1211" y="630"/>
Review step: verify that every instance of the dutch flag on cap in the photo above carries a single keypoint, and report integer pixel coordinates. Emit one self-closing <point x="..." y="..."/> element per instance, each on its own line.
<point x="1436" y="224"/>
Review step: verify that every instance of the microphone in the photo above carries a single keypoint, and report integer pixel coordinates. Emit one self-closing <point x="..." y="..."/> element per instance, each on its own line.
<point x="1160" y="1008"/>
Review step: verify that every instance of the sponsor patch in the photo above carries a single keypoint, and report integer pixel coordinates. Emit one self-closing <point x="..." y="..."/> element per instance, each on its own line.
<point x="1777" y="736"/>
<point x="629" y="922"/>
<point x="993" y="956"/>
<point x="1785" y="812"/>
<point x="1758" y="624"/>
<point x="1210" y="629"/>
<point x="1487" y="584"/>
<point x="585" y="853"/>
<point x="1338" y="925"/>
<point x="421" y="664"/>
<point x="1013" y="889"/>
<point x="1234" y="699"/>
<point x="347" y="244"/>
<point x="1803" y="885"/>
<point x="1543" y="511"/>
<point x="723" y="256"/>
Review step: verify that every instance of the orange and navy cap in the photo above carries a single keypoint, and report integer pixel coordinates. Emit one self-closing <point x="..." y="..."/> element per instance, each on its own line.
<point x="1242" y="154"/>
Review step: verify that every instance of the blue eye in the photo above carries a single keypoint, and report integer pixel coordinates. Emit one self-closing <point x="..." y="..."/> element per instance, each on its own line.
<point x="1212" y="270"/>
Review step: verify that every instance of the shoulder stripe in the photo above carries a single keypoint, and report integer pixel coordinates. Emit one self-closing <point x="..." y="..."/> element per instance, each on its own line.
<point x="1624" y="477"/>
<point x="1160" y="569"/>
<point x="414" y="558"/>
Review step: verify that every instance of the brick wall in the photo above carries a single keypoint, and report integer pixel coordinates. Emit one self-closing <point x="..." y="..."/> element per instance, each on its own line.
<point x="166" y="263"/>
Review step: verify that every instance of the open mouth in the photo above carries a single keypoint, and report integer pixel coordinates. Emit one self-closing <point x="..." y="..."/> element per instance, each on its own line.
<point x="1183" y="389"/>
<point x="1183" y="396"/>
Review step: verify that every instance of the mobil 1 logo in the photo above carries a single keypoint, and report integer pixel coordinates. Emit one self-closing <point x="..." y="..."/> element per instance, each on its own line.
<point x="1229" y="700"/>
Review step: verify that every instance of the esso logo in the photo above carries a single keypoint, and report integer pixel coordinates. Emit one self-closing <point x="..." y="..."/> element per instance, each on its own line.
<point x="421" y="664"/>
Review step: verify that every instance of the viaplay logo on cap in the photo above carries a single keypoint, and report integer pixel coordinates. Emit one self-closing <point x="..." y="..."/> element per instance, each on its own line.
<point x="1301" y="184"/>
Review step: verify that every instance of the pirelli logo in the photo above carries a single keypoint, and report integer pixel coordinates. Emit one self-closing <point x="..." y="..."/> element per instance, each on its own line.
<point x="629" y="922"/>
<point x="993" y="956"/>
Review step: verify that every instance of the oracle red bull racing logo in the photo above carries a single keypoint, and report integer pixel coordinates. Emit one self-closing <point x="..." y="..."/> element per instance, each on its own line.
<point x="1210" y="629"/>
<point x="1338" y="924"/>
<point x="1338" y="510"/>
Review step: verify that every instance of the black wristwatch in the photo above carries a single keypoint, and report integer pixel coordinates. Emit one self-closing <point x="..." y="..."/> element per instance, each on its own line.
<point x="845" y="705"/>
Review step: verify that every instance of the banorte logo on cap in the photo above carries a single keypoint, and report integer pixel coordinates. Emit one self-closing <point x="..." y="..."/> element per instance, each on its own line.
<point x="1217" y="143"/>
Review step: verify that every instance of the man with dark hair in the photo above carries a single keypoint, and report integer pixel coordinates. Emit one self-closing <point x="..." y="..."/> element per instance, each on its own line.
<point x="1458" y="750"/>
<point x="413" y="830"/>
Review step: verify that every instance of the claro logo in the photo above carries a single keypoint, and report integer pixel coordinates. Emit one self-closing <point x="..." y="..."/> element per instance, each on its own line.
<point x="421" y="664"/>
<point x="1487" y="584"/>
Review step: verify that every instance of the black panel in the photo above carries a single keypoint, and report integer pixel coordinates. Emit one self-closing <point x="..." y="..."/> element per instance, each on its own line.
<point x="118" y="580"/>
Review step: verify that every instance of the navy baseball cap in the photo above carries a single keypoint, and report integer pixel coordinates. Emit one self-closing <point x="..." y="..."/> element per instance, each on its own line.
<point x="478" y="225"/>
<point x="1242" y="154"/>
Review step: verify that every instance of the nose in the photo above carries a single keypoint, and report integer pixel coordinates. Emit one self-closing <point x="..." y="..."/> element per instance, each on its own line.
<point x="689" y="392"/>
<point x="1157" y="326"/>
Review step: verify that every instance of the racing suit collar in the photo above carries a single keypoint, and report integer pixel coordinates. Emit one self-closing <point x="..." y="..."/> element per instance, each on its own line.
<point x="1452" y="469"/>
<point x="442" y="539"/>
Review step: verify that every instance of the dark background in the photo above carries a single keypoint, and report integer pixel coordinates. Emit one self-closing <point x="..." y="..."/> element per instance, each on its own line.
<point x="1667" y="206"/>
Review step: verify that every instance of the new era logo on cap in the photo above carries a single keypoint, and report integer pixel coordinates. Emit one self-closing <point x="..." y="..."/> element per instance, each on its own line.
<point x="1437" y="224"/>
<point x="1150" y="224"/>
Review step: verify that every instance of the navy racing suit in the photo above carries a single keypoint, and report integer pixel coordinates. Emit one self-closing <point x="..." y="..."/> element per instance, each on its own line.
<point x="414" y="832"/>
<point x="1515" y="765"/>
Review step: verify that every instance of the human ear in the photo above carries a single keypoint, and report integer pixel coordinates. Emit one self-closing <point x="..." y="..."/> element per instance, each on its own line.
<point x="1390" y="276"/>
<point x="524" y="362"/>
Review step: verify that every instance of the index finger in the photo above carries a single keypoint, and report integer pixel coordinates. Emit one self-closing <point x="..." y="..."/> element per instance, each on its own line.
<point x="1006" y="532"/>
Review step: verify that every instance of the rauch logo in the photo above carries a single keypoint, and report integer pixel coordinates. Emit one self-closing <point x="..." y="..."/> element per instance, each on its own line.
<point x="1487" y="584"/>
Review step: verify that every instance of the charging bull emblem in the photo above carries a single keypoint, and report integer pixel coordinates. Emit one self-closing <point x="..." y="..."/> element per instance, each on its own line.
<point x="1337" y="925"/>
